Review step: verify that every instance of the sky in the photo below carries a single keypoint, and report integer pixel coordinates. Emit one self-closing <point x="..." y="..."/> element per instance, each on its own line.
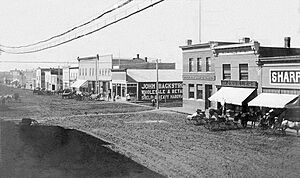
<point x="155" y="33"/>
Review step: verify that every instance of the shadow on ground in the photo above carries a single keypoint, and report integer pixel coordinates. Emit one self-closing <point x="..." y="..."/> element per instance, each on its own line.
<point x="48" y="151"/>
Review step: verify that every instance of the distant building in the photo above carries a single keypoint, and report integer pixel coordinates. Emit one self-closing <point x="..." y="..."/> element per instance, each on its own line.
<point x="30" y="77"/>
<point x="18" y="78"/>
<point x="5" y="78"/>
<point x="53" y="79"/>
<point x="70" y="75"/>
<point x="96" y="71"/>
<point x="40" y="77"/>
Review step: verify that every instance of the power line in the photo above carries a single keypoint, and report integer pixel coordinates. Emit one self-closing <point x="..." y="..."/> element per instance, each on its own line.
<point x="41" y="62"/>
<point x="88" y="33"/>
<point x="74" y="28"/>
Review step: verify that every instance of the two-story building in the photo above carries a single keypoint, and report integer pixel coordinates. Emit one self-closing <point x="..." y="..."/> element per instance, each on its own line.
<point x="248" y="69"/>
<point x="70" y="75"/>
<point x="30" y="77"/>
<point x="40" y="77"/>
<point x="95" y="72"/>
<point x="53" y="79"/>
<point x="199" y="72"/>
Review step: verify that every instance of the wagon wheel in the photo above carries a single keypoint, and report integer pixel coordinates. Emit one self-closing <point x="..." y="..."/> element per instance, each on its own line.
<point x="188" y="121"/>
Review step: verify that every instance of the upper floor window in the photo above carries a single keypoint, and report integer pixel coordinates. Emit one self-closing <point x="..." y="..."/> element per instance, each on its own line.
<point x="190" y="64"/>
<point x="208" y="64"/>
<point x="93" y="70"/>
<point x="226" y="72"/>
<point x="243" y="71"/>
<point x="199" y="64"/>
<point x="85" y="72"/>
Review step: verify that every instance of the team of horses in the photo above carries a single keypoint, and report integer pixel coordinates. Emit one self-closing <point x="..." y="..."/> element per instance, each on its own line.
<point x="270" y="120"/>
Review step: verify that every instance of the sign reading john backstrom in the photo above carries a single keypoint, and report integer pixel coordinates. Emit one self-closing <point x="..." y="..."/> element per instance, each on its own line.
<point x="285" y="76"/>
<point x="168" y="91"/>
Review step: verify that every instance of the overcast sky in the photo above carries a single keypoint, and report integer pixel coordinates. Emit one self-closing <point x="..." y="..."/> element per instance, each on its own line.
<point x="156" y="33"/>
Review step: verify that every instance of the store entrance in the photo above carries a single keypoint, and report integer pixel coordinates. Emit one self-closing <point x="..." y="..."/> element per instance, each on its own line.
<point x="208" y="93"/>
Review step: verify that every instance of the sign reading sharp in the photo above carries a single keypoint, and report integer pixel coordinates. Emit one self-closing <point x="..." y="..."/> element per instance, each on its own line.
<point x="285" y="76"/>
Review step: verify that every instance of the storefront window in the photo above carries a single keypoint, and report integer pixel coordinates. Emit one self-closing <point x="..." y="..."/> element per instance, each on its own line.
<point x="190" y="64"/>
<point x="132" y="90"/>
<point x="199" y="91"/>
<point x="191" y="91"/>
<point x="226" y="72"/>
<point x="243" y="71"/>
<point x="199" y="64"/>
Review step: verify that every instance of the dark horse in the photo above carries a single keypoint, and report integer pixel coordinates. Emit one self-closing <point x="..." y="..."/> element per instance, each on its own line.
<point x="245" y="117"/>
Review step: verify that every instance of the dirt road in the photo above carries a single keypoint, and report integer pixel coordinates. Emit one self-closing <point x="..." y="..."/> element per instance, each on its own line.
<point x="161" y="141"/>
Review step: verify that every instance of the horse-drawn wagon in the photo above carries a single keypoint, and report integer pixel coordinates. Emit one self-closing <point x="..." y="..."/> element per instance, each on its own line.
<point x="215" y="121"/>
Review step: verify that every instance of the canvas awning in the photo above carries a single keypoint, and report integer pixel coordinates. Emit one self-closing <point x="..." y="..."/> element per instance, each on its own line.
<point x="80" y="83"/>
<point x="232" y="95"/>
<point x="272" y="100"/>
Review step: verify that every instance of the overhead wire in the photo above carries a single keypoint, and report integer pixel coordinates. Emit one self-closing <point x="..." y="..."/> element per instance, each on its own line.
<point x="88" y="33"/>
<point x="115" y="7"/>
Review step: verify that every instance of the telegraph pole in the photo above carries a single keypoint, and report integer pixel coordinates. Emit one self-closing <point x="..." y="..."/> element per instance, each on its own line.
<point x="199" y="21"/>
<point x="157" y="94"/>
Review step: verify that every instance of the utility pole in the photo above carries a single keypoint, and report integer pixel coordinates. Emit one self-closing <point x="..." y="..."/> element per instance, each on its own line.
<point x="199" y="21"/>
<point x="97" y="88"/>
<point x="157" y="94"/>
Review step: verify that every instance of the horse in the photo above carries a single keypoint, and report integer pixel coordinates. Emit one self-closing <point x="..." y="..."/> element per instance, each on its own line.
<point x="245" y="117"/>
<point x="291" y="125"/>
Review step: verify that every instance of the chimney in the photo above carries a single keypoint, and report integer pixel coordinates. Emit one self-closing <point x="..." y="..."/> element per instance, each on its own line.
<point x="189" y="42"/>
<point x="137" y="56"/>
<point x="287" y="42"/>
<point x="246" y="40"/>
<point x="146" y="59"/>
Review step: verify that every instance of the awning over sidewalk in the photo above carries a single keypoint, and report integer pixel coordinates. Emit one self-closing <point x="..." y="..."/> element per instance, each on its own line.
<point x="80" y="83"/>
<point x="232" y="95"/>
<point x="272" y="100"/>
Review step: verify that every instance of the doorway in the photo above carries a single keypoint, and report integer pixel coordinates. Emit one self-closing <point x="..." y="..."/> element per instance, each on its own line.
<point x="208" y="93"/>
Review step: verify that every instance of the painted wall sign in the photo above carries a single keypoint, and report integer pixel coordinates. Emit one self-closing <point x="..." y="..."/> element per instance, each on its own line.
<point x="168" y="91"/>
<point x="239" y="83"/>
<point x="198" y="77"/>
<point x="287" y="76"/>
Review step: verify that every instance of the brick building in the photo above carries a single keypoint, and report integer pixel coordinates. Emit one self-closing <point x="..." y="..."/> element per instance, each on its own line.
<point x="199" y="72"/>
<point x="248" y="69"/>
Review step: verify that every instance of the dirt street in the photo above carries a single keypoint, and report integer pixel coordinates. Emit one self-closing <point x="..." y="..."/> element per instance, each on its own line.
<point x="162" y="141"/>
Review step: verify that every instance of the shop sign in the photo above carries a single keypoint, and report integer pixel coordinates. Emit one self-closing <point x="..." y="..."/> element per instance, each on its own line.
<point x="285" y="76"/>
<point x="168" y="91"/>
<point x="239" y="83"/>
<point x="198" y="77"/>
